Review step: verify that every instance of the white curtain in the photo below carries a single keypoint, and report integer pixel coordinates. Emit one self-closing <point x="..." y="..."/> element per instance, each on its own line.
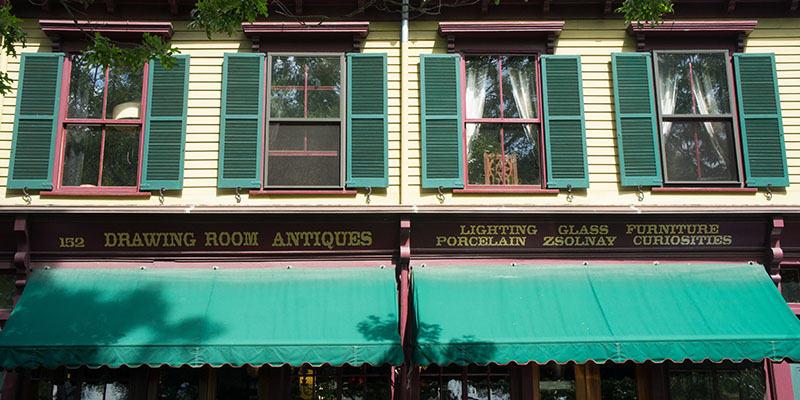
<point x="522" y="88"/>
<point x="477" y="86"/>
<point x="708" y="104"/>
<point x="669" y="91"/>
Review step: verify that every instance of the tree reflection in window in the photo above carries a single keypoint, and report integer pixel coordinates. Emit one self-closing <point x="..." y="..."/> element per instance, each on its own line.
<point x="708" y="381"/>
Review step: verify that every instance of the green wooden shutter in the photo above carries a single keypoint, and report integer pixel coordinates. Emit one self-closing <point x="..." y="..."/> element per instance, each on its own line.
<point x="367" y="121"/>
<point x="35" y="121"/>
<point x="564" y="126"/>
<point x="442" y="148"/>
<point x="760" y="120"/>
<point x="240" y="143"/>
<point x="637" y="136"/>
<point x="165" y="126"/>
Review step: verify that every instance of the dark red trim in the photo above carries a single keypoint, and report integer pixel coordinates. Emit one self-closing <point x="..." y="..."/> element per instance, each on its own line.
<point x="475" y="36"/>
<point x="505" y="189"/>
<point x="795" y="307"/>
<point x="705" y="189"/>
<point x="685" y="34"/>
<point x="333" y="192"/>
<point x="326" y="36"/>
<point x="78" y="34"/>
<point x="95" y="191"/>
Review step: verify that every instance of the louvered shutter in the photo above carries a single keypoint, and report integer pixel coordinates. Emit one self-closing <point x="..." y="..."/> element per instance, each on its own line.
<point x="35" y="121"/>
<point x="367" y="123"/>
<point x="760" y="120"/>
<point x="564" y="126"/>
<point x="240" y="143"/>
<point x="637" y="137"/>
<point x="442" y="148"/>
<point x="165" y="126"/>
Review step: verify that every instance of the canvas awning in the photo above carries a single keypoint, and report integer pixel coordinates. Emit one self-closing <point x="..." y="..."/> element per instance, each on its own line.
<point x="638" y="312"/>
<point x="114" y="317"/>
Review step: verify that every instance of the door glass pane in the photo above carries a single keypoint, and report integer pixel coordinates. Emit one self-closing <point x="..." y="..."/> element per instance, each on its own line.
<point x="482" y="89"/>
<point x="519" y="87"/>
<point x="303" y="155"/>
<point x="693" y="83"/>
<point x="699" y="151"/>
<point x="618" y="381"/>
<point x="82" y="155"/>
<point x="557" y="382"/>
<point x="86" y="86"/>
<point x="121" y="155"/>
<point x="124" y="93"/>
<point x="521" y="144"/>
<point x="483" y="154"/>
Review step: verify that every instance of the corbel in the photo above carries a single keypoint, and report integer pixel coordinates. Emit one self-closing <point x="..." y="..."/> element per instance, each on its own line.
<point x="405" y="241"/>
<point x="256" y="44"/>
<point x="357" y="43"/>
<point x="731" y="6"/>
<point x="484" y="7"/>
<point x="775" y="251"/>
<point x="451" y="44"/>
<point x="22" y="257"/>
<point x="640" y="42"/>
<point x="111" y="6"/>
<point x="740" y="39"/>
<point x="551" y="42"/>
<point x="546" y="7"/>
<point x="173" y="7"/>
<point x="55" y="43"/>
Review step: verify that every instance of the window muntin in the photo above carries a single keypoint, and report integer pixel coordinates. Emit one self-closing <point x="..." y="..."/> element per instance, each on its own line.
<point x="305" y="133"/>
<point x="101" y="134"/>
<point x="699" y="141"/>
<point x="502" y="125"/>
<point x="454" y="382"/>
<point x="726" y="381"/>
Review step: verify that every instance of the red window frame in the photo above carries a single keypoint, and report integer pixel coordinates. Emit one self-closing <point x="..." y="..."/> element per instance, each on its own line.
<point x="63" y="121"/>
<point x="504" y="188"/>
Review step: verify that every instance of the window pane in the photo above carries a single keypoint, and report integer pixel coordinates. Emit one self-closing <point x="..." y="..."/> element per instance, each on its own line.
<point x="521" y="144"/>
<point x="7" y="290"/>
<point x="454" y="389"/>
<point x="429" y="387"/>
<point x="303" y="155"/>
<point x="478" y="387"/>
<point x="121" y="156"/>
<point x="752" y="382"/>
<point x="501" y="388"/>
<point x="483" y="92"/>
<point x="124" y="93"/>
<point x="179" y="384"/>
<point x="557" y="382"/>
<point x="790" y="285"/>
<point x="691" y="385"/>
<point x="93" y="391"/>
<point x="618" y="381"/>
<point x="377" y="388"/>
<point x="693" y="83"/>
<point x="117" y="391"/>
<point x="237" y="383"/>
<point x="519" y="87"/>
<point x="699" y="151"/>
<point x="483" y="154"/>
<point x="82" y="155"/>
<point x="86" y="86"/>
<point x="305" y="87"/>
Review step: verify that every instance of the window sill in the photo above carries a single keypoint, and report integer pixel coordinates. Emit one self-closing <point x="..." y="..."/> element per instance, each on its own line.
<point x="506" y="189"/>
<point x="93" y="192"/>
<point x="705" y="189"/>
<point x="331" y="192"/>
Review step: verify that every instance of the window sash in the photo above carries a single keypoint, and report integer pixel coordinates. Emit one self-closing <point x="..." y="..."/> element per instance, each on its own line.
<point x="663" y="117"/>
<point x="342" y="116"/>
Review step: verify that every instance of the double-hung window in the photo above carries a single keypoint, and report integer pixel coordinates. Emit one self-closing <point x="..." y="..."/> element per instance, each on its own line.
<point x="86" y="129"/>
<point x="505" y="121"/>
<point x="698" y="118"/>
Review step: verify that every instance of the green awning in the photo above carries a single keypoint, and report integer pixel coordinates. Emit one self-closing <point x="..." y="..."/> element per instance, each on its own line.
<point x="598" y="312"/>
<point x="96" y="317"/>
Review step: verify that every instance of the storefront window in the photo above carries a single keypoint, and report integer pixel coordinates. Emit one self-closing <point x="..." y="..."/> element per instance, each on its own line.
<point x="7" y="289"/>
<point x="344" y="383"/>
<point x="618" y="381"/>
<point x="790" y="284"/>
<point x="557" y="381"/>
<point x="102" y="384"/>
<point x="726" y="381"/>
<point x="179" y="384"/>
<point x="465" y="383"/>
<point x="237" y="383"/>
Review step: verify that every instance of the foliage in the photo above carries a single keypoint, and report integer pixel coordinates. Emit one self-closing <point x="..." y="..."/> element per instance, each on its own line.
<point x="10" y="34"/>
<point x="103" y="51"/>
<point x="225" y="16"/>
<point x="645" y="11"/>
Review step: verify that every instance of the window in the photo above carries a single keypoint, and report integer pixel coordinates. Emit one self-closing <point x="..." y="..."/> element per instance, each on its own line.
<point x="98" y="130"/>
<point x="790" y="284"/>
<point x="287" y="123"/>
<point x="464" y="383"/>
<point x="304" y="121"/>
<point x="101" y="132"/>
<point x="708" y="381"/>
<point x="698" y="132"/>
<point x="557" y="381"/>
<point x="100" y="384"/>
<point x="502" y="125"/>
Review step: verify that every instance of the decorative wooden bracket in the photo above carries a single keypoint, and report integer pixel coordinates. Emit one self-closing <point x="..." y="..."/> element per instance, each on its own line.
<point x="405" y="241"/>
<point x="775" y="255"/>
<point x="22" y="257"/>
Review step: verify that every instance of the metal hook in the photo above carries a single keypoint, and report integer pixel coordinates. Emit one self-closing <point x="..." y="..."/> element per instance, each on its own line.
<point x="369" y="192"/>
<point x="440" y="195"/>
<point x="161" y="195"/>
<point x="26" y="197"/>
<point x="238" y="195"/>
<point x="769" y="191"/>
<point x="569" y="193"/>
<point x="640" y="193"/>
